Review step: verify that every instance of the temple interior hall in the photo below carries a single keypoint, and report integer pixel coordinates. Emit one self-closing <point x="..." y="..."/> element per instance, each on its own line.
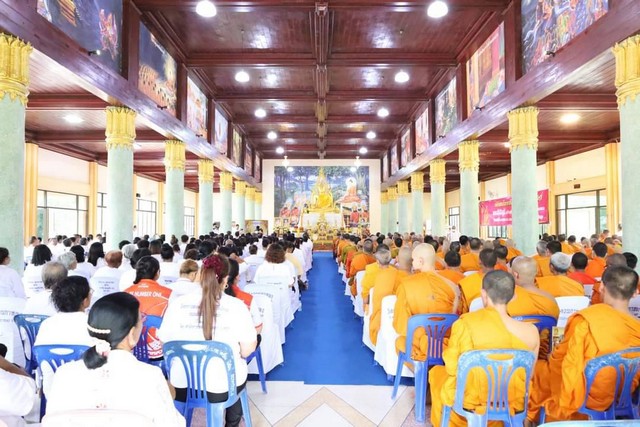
<point x="392" y="127"/>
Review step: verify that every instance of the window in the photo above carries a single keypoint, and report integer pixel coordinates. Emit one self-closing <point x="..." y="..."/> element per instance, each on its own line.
<point x="497" y="231"/>
<point x="146" y="217"/>
<point x="454" y="218"/>
<point x="582" y="214"/>
<point x="189" y="221"/>
<point x="61" y="213"/>
<point x="102" y="210"/>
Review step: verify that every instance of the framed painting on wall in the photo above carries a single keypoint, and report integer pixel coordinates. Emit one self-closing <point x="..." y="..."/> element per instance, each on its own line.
<point x="385" y="166"/>
<point x="405" y="148"/>
<point x="393" y="155"/>
<point x="422" y="132"/>
<point x="196" y="109"/>
<point x="446" y="112"/>
<point x="158" y="72"/>
<point x="236" y="155"/>
<point x="248" y="159"/>
<point x="221" y="135"/>
<point x="257" y="170"/>
<point x="486" y="71"/>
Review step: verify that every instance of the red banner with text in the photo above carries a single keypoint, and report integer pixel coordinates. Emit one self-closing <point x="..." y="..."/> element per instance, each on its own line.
<point x="497" y="212"/>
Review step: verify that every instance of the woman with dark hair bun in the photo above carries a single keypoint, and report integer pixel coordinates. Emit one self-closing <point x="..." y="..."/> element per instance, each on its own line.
<point x="109" y="376"/>
<point x="41" y="256"/>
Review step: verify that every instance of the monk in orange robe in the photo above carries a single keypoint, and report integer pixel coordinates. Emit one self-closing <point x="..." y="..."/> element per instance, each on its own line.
<point x="575" y="246"/>
<point x="564" y="245"/>
<point x="359" y="263"/>
<point x="579" y="262"/>
<point x="452" y="272"/>
<point x="512" y="251"/>
<point x="559" y="384"/>
<point x="596" y="266"/>
<point x="486" y="329"/>
<point x="559" y="285"/>
<point x="501" y="258"/>
<point x="612" y="260"/>
<point x="471" y="260"/>
<point x="542" y="259"/>
<point x="471" y="286"/>
<point x="341" y="245"/>
<point x="464" y="245"/>
<point x="423" y="292"/>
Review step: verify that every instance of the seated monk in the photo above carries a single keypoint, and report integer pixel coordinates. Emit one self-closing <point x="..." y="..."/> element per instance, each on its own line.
<point x="596" y="266"/>
<point x="486" y="329"/>
<point x="471" y="286"/>
<point x="360" y="262"/>
<point x="471" y="261"/>
<point x="559" y="285"/>
<point x="397" y="244"/>
<point x="501" y="258"/>
<point x="512" y="251"/>
<point x="614" y="260"/>
<point x="464" y="244"/>
<point x="452" y="272"/>
<point x="574" y="244"/>
<point x="579" y="262"/>
<point x="542" y="259"/>
<point x="423" y="292"/>
<point x="559" y="384"/>
<point x="349" y="247"/>
<point x="566" y="248"/>
<point x="350" y="255"/>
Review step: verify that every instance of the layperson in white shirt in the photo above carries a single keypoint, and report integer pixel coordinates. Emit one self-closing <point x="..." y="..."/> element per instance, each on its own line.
<point x="108" y="376"/>
<point x="41" y="303"/>
<point x="127" y="253"/>
<point x="83" y="268"/>
<point x="10" y="281"/>
<point x="212" y="315"/>
<point x="184" y="241"/>
<point x="275" y="264"/>
<point x="168" y="268"/>
<point x="128" y="277"/>
<point x="41" y="256"/>
<point x="28" y="251"/>
<point x="155" y="246"/>
<point x="70" y="261"/>
<point x="95" y="256"/>
<point x="112" y="269"/>
<point x="72" y="296"/>
<point x="186" y="283"/>
<point x="17" y="394"/>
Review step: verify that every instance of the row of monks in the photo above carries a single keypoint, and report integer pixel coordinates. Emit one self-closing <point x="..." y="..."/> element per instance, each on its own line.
<point x="428" y="276"/>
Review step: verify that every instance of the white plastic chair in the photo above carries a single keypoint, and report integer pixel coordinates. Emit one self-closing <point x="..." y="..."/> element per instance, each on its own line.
<point x="282" y="283"/>
<point x="274" y="294"/>
<point x="103" y="286"/>
<point x="385" y="353"/>
<point x="358" y="304"/>
<point x="634" y="306"/>
<point x="476" y="305"/>
<point x="366" y="336"/>
<point x="9" y="334"/>
<point x="568" y="306"/>
<point x="96" y="418"/>
<point x="251" y="272"/>
<point x="588" y="291"/>
<point x="270" y="346"/>
<point x="32" y="285"/>
<point x="167" y="280"/>
<point x="470" y="272"/>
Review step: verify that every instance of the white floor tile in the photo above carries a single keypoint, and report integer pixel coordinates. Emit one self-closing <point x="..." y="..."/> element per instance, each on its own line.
<point x="324" y="416"/>
<point x="374" y="402"/>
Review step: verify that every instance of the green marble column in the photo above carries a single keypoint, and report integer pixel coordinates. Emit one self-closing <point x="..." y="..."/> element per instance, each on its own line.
<point x="174" y="162"/>
<point x="205" y="194"/>
<point x="417" y="190"/>
<point x="469" y="190"/>
<point x="238" y="203"/>
<point x="627" y="54"/>
<point x="523" y="137"/>
<point x="392" y="225"/>
<point x="437" y="178"/>
<point x="403" y="207"/>
<point x="384" y="212"/>
<point x="14" y="80"/>
<point x="249" y="204"/>
<point x="226" y="185"/>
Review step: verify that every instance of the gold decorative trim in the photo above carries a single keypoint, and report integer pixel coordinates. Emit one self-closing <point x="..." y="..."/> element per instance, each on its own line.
<point x="627" y="54"/>
<point x="226" y="181"/>
<point x="469" y="156"/>
<point x="174" y="155"/>
<point x="437" y="171"/>
<point x="258" y="197"/>
<point x="403" y="188"/>
<point x="523" y="128"/>
<point x="250" y="194"/>
<point x="384" y="197"/>
<point x="205" y="171"/>
<point x="417" y="181"/>
<point x="121" y="128"/>
<point x="14" y="68"/>
<point x="241" y="188"/>
<point x="392" y="194"/>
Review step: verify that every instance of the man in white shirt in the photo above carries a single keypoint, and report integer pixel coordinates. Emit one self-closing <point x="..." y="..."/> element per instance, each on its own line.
<point x="184" y="241"/>
<point x="112" y="269"/>
<point x="252" y="261"/>
<point x="168" y="268"/>
<point x="17" y="394"/>
<point x="10" y="282"/>
<point x="28" y="251"/>
<point x="155" y="246"/>
<point x="52" y="274"/>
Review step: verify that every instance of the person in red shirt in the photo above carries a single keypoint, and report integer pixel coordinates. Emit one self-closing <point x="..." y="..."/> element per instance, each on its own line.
<point x="579" y="262"/>
<point x="153" y="298"/>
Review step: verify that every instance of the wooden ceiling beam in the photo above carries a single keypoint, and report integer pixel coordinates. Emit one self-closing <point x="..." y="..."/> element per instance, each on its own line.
<point x="302" y="119"/>
<point x="65" y="101"/>
<point x="332" y="95"/>
<point x="561" y="101"/>
<point x="256" y="136"/>
<point x="73" y="137"/>
<point x="560" y="137"/>
<point x="376" y="59"/>
<point x="257" y="59"/>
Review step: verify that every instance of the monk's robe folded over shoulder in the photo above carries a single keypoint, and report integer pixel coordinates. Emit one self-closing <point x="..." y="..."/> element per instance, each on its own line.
<point x="560" y="286"/>
<point x="347" y="265"/>
<point x="480" y="330"/>
<point x="596" y="267"/>
<point x="470" y="262"/>
<point x="559" y="383"/>
<point x="385" y="284"/>
<point x="543" y="265"/>
<point x="368" y="279"/>
<point x="470" y="288"/>
<point x="454" y="276"/>
<point x="440" y="265"/>
<point x="512" y="253"/>
<point x="421" y="293"/>
<point x="358" y="264"/>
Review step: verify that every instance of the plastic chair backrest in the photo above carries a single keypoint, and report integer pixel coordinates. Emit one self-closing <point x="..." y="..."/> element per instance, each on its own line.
<point x="499" y="366"/>
<point x="387" y="309"/>
<point x="57" y="355"/>
<point x="28" y="327"/>
<point x="588" y="291"/>
<point x="627" y="368"/>
<point x="281" y="280"/>
<point x="194" y="357"/>
<point x="476" y="304"/>
<point x="141" y="350"/>
<point x="543" y="323"/>
<point x="358" y="279"/>
<point x="167" y="280"/>
<point x="469" y="273"/>
<point x="251" y="272"/>
<point x="103" y="286"/>
<point x="435" y="326"/>
<point x="634" y="306"/>
<point x="265" y="307"/>
<point x="9" y="333"/>
<point x="568" y="306"/>
<point x="32" y="285"/>
<point x="96" y="418"/>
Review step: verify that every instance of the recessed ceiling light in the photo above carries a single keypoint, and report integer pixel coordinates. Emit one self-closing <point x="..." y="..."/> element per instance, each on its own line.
<point x="206" y="9"/>
<point x="137" y="146"/>
<point x="383" y="112"/>
<point x="437" y="9"/>
<point x="272" y="135"/>
<point x="402" y="77"/>
<point x="242" y="76"/>
<point x="280" y="150"/>
<point x="363" y="150"/>
<point x="73" y="119"/>
<point x="570" y="118"/>
<point x="371" y="135"/>
<point x="260" y="113"/>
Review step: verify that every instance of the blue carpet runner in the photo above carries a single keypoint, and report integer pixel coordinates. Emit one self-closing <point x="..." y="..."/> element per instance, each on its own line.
<point x="324" y="342"/>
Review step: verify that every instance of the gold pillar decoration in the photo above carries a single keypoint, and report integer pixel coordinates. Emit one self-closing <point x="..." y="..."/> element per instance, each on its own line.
<point x="241" y="188"/>
<point x="226" y="181"/>
<point x="384" y="197"/>
<point x="403" y="188"/>
<point x="258" y="197"/>
<point x="523" y="128"/>
<point x="160" y="208"/>
<point x="392" y="194"/>
<point x="30" y="190"/>
<point x="550" y="169"/>
<point x="627" y="54"/>
<point x="612" y="160"/>
<point x="417" y="181"/>
<point x="92" y="221"/>
<point x="205" y="171"/>
<point x="469" y="156"/>
<point x="121" y="128"/>
<point x="250" y="193"/>
<point x="14" y="68"/>
<point x="174" y="155"/>
<point x="437" y="171"/>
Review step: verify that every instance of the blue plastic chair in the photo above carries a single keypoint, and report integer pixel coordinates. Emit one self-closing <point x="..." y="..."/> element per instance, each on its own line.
<point x="29" y="323"/>
<point x="141" y="350"/>
<point x="627" y="369"/>
<point x="257" y="354"/>
<point x="543" y="323"/>
<point x="435" y="326"/>
<point x="499" y="367"/>
<point x="194" y="357"/>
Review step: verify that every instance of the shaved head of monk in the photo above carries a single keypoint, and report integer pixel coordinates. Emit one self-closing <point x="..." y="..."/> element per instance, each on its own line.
<point x="524" y="269"/>
<point x="424" y="257"/>
<point x="620" y="284"/>
<point x="404" y="258"/>
<point x="498" y="286"/>
<point x="616" y="260"/>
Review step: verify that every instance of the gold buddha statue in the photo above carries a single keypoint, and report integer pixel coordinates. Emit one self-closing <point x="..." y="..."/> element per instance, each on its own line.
<point x="321" y="197"/>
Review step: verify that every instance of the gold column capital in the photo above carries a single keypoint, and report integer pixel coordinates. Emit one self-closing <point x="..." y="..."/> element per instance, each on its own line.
<point x="403" y="188"/>
<point x="174" y="155"/>
<point x="392" y="194"/>
<point x="14" y="68"/>
<point x="258" y="198"/>
<point x="241" y="188"/>
<point x="250" y="193"/>
<point x="437" y="171"/>
<point x="121" y="127"/>
<point x="523" y="128"/>
<point x="205" y="171"/>
<point x="226" y="181"/>
<point x="627" y="54"/>
<point x="384" y="197"/>
<point x="469" y="156"/>
<point x="417" y="181"/>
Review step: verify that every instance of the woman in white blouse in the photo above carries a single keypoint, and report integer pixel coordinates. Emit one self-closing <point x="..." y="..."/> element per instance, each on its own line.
<point x="108" y="376"/>
<point x="10" y="282"/>
<point x="275" y="265"/>
<point x="210" y="314"/>
<point x="41" y="256"/>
